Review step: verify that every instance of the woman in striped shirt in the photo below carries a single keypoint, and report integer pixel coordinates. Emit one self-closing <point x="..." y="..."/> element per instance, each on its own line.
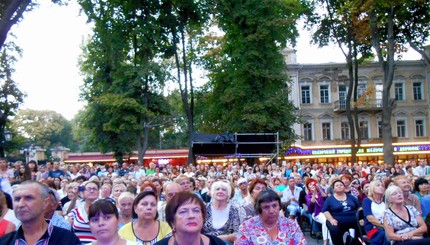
<point x="78" y="217"/>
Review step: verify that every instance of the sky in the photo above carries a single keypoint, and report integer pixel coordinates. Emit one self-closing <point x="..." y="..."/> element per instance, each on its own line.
<point x="51" y="36"/>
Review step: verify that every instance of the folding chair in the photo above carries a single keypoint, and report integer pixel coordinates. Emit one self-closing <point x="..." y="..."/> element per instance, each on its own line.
<point x="361" y="231"/>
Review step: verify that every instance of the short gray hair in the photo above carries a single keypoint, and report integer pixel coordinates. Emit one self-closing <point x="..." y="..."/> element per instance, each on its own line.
<point x="44" y="190"/>
<point x="221" y="183"/>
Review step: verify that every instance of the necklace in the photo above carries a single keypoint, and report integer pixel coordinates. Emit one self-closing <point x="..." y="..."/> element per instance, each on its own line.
<point x="273" y="226"/>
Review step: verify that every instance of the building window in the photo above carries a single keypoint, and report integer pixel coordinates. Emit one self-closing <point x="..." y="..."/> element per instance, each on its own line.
<point x="324" y="94"/>
<point x="399" y="91"/>
<point x="401" y="128"/>
<point x="326" y="131"/>
<point x="342" y="96"/>
<point x="344" y="130"/>
<point x="418" y="90"/>
<point x="419" y="128"/>
<point x="364" y="130"/>
<point x="307" y="131"/>
<point x="361" y="89"/>
<point x="306" y="94"/>
<point x="380" y="129"/>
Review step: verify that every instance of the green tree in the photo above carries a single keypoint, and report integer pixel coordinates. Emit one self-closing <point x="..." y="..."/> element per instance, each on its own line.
<point x="10" y="95"/>
<point x="121" y="70"/>
<point x="11" y="12"/>
<point x="249" y="88"/>
<point x="183" y="22"/>
<point x="393" y="25"/>
<point x="81" y="139"/>
<point x="339" y="22"/>
<point x="43" y="128"/>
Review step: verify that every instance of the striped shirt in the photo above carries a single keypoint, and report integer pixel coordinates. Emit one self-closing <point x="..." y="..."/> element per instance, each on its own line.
<point x="81" y="225"/>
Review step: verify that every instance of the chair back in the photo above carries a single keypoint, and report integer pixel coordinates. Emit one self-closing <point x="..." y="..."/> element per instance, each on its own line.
<point x="360" y="224"/>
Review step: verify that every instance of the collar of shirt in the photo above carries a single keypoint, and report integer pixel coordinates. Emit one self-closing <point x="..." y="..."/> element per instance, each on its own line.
<point x="20" y="239"/>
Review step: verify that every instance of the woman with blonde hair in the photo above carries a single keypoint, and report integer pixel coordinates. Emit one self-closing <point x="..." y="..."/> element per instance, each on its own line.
<point x="373" y="210"/>
<point x="403" y="224"/>
<point x="222" y="218"/>
<point x="125" y="206"/>
<point x="117" y="190"/>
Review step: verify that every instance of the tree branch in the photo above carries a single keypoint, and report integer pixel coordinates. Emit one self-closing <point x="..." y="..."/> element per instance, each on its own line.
<point x="10" y="17"/>
<point x="423" y="54"/>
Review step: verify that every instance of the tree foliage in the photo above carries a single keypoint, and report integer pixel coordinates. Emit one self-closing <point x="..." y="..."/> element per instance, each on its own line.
<point x="249" y="86"/>
<point x="183" y="22"/>
<point x="340" y="22"/>
<point x="11" y="12"/>
<point x="386" y="26"/>
<point x="389" y="24"/>
<point x="43" y="128"/>
<point x="124" y="81"/>
<point x="10" y="95"/>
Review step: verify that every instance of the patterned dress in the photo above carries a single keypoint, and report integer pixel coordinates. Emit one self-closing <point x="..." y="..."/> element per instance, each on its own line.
<point x="231" y="226"/>
<point x="252" y="232"/>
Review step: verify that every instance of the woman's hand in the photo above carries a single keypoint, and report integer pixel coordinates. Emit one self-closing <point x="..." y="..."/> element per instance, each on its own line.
<point x="333" y="222"/>
<point x="407" y="236"/>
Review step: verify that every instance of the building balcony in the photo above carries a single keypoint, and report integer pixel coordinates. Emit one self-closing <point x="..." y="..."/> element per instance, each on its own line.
<point x="363" y="105"/>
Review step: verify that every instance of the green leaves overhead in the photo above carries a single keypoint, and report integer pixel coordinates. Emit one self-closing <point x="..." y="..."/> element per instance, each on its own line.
<point x="43" y="128"/>
<point x="250" y="86"/>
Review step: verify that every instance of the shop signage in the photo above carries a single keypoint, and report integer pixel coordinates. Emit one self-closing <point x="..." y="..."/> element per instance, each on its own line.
<point x="347" y="151"/>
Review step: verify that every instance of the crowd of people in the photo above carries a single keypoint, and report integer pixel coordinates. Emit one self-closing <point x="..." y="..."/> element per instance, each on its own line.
<point x="232" y="203"/>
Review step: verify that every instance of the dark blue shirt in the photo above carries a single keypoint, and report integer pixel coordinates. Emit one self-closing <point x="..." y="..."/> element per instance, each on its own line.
<point x="55" y="173"/>
<point x="343" y="212"/>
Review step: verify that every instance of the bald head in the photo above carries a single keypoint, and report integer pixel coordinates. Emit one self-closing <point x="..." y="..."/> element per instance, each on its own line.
<point x="171" y="189"/>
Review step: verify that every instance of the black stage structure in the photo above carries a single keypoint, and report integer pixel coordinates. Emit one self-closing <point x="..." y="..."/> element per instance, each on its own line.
<point x="238" y="145"/>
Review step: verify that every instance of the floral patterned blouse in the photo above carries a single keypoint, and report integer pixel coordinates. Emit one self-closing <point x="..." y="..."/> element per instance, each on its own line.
<point x="400" y="225"/>
<point x="253" y="232"/>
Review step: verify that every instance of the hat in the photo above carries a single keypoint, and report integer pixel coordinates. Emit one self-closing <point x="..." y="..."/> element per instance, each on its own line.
<point x="242" y="180"/>
<point x="249" y="167"/>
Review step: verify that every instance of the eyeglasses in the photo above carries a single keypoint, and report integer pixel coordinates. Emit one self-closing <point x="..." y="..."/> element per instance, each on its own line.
<point x="89" y="189"/>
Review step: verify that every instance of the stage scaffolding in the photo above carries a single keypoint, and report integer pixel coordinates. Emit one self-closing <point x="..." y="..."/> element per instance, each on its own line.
<point x="236" y="146"/>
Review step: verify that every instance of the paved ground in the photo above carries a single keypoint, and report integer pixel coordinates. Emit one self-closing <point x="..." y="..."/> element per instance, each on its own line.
<point x="312" y="241"/>
<point x="309" y="239"/>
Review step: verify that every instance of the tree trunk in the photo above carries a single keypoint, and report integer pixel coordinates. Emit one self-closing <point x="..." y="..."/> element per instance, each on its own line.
<point x="388" y="70"/>
<point x="11" y="15"/>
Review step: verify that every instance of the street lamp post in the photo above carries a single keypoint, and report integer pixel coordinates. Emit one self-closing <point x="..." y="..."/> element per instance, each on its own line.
<point x="30" y="153"/>
<point x="6" y="139"/>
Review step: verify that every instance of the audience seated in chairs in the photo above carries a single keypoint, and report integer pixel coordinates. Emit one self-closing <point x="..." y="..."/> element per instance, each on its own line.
<point x="403" y="224"/>
<point x="373" y="213"/>
<point x="340" y="210"/>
